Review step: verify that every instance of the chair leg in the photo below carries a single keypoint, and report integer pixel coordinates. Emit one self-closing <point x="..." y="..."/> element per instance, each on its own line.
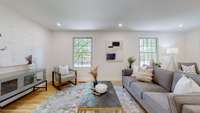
<point x="53" y="79"/>
<point x="76" y="81"/>
<point x="46" y="85"/>
<point x="75" y="77"/>
<point x="59" y="81"/>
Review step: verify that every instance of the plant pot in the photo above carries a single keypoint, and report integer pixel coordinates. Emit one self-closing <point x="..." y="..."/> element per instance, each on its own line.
<point x="130" y="66"/>
<point x="95" y="83"/>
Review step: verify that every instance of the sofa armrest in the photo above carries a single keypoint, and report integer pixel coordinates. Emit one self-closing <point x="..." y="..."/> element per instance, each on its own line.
<point x="177" y="101"/>
<point x="70" y="69"/>
<point x="73" y="70"/>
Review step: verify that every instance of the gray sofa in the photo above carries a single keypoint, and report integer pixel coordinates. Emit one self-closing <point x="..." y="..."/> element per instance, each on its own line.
<point x="157" y="97"/>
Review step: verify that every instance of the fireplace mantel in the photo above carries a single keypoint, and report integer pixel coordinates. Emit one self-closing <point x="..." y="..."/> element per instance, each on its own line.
<point x="18" y="83"/>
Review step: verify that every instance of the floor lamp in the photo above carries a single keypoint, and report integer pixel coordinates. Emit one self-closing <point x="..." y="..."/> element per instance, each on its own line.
<point x="172" y="52"/>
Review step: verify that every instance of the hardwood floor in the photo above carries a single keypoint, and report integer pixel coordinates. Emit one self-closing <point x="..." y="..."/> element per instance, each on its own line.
<point x="28" y="103"/>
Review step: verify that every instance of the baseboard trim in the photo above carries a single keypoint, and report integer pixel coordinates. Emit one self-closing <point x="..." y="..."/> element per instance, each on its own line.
<point x="86" y="81"/>
<point x="113" y="81"/>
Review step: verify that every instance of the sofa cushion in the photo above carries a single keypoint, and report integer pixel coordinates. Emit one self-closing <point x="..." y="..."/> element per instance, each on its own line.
<point x="163" y="78"/>
<point x="158" y="101"/>
<point x="178" y="75"/>
<point x="191" y="109"/>
<point x="140" y="87"/>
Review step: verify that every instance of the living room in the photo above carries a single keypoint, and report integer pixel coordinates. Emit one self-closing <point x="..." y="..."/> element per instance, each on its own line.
<point x="93" y="38"/>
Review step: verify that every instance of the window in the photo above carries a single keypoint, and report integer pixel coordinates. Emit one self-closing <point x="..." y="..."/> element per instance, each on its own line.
<point x="82" y="52"/>
<point x="148" y="50"/>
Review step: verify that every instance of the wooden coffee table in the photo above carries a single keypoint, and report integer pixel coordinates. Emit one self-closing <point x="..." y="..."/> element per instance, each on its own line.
<point x="108" y="102"/>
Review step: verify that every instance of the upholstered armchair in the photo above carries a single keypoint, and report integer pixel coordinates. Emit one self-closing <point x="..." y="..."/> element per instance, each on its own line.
<point x="188" y="64"/>
<point x="61" y="75"/>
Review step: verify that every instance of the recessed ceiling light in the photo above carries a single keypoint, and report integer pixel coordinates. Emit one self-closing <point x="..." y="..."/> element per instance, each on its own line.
<point x="58" y="24"/>
<point x="120" y="25"/>
<point x="180" y="25"/>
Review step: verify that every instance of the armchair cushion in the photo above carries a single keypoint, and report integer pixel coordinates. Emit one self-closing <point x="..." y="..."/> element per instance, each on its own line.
<point x="66" y="77"/>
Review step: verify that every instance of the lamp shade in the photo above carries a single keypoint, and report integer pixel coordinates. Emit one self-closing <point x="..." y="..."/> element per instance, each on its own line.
<point x="172" y="51"/>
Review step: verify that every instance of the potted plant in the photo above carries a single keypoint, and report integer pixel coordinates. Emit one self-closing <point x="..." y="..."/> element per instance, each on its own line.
<point x="158" y="64"/>
<point x="131" y="60"/>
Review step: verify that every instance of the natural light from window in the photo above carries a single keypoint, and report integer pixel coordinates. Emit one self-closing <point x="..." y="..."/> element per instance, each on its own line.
<point x="82" y="51"/>
<point x="148" y="50"/>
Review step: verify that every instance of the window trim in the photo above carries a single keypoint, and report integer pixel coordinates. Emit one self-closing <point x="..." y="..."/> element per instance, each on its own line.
<point x="157" y="45"/>
<point x="91" y="59"/>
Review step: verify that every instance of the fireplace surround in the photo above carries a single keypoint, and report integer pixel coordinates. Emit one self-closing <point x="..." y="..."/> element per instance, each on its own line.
<point x="19" y="83"/>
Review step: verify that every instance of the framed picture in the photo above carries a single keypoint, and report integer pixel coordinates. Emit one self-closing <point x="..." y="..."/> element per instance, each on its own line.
<point x="114" y="50"/>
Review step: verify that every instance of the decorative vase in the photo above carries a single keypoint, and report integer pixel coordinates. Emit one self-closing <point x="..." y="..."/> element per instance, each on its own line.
<point x="130" y="66"/>
<point x="95" y="83"/>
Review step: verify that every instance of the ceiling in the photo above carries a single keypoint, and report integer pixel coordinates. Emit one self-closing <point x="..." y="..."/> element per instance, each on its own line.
<point x="135" y="15"/>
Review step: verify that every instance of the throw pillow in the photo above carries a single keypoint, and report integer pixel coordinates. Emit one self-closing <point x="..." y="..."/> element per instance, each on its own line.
<point x="63" y="70"/>
<point x="144" y="75"/>
<point x="147" y="71"/>
<point x="195" y="87"/>
<point x="143" y="78"/>
<point x="189" y="69"/>
<point x="186" y="85"/>
<point x="135" y="69"/>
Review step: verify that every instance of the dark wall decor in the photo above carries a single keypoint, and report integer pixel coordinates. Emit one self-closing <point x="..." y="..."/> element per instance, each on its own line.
<point x="114" y="50"/>
<point x="114" y="44"/>
<point x="110" y="56"/>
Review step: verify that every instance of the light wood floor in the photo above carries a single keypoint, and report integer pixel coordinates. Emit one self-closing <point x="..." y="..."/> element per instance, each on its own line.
<point x="28" y="103"/>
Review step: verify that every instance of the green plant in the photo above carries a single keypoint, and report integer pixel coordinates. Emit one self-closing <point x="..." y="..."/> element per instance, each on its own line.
<point x="131" y="60"/>
<point x="157" y="63"/>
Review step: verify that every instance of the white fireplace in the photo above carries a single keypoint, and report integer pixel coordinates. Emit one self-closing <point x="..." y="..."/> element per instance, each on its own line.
<point x="12" y="83"/>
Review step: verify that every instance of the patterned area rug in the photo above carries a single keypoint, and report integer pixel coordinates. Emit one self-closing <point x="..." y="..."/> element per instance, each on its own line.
<point x="67" y="100"/>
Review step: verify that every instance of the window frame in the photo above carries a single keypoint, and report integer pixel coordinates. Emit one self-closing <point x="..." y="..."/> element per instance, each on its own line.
<point x="91" y="61"/>
<point x="157" y="50"/>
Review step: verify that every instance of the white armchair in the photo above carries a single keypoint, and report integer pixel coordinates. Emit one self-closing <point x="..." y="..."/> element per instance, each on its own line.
<point x="62" y="75"/>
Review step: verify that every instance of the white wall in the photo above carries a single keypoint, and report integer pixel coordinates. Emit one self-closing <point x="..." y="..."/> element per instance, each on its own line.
<point x="19" y="32"/>
<point x="54" y="48"/>
<point x="192" y="46"/>
<point x="62" y="50"/>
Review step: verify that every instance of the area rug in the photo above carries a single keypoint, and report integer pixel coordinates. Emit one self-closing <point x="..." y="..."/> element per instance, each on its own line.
<point x="67" y="100"/>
